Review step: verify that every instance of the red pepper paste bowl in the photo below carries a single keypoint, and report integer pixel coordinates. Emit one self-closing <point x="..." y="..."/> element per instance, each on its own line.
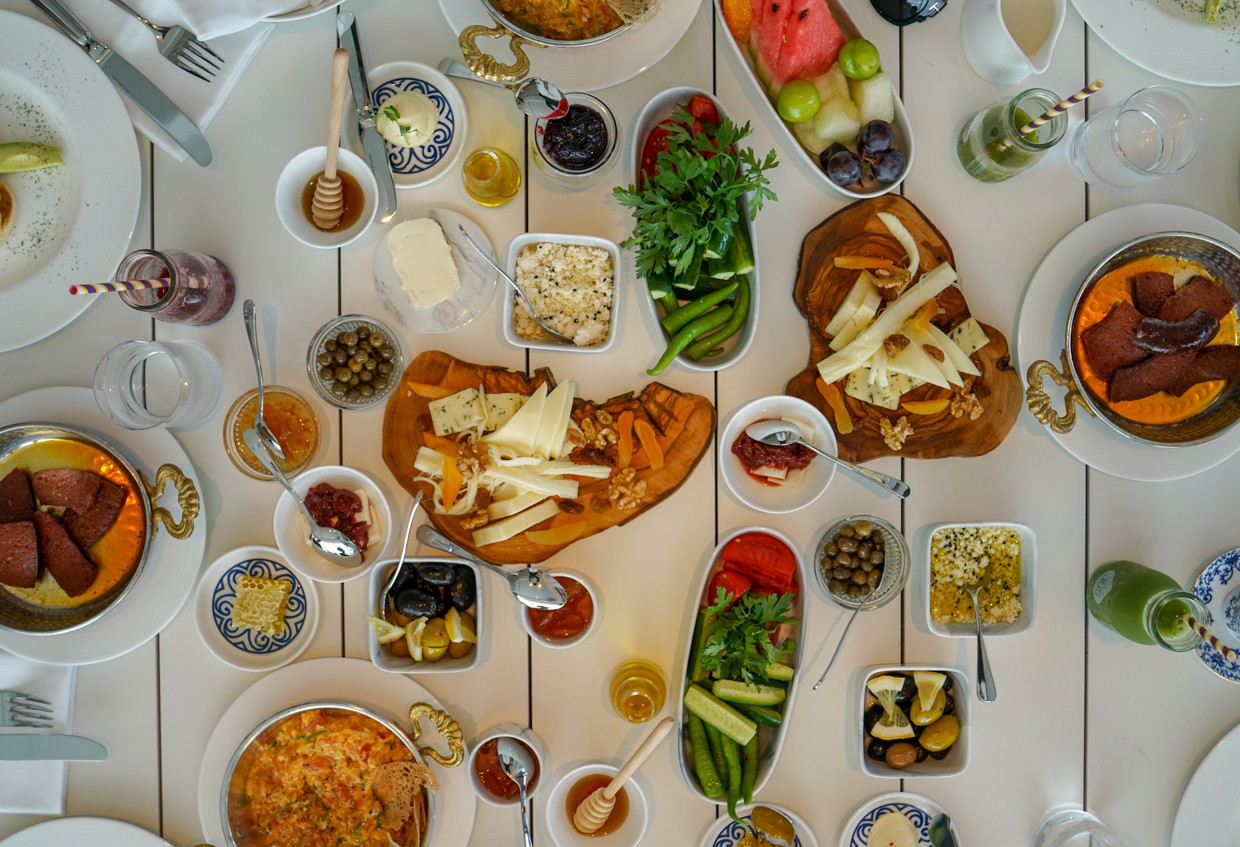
<point x="803" y="486"/>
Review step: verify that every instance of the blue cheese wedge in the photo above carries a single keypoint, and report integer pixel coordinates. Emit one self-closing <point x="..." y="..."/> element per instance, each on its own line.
<point x="969" y="337"/>
<point x="884" y="396"/>
<point x="423" y="261"/>
<point x="501" y="408"/>
<point x="458" y="412"/>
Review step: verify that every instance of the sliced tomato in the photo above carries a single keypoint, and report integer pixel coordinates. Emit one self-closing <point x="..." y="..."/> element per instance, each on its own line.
<point x="703" y="109"/>
<point x="656" y="143"/>
<point x="729" y="582"/>
<point x="763" y="558"/>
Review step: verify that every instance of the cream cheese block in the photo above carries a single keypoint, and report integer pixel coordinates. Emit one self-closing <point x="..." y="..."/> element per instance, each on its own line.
<point x="423" y="261"/>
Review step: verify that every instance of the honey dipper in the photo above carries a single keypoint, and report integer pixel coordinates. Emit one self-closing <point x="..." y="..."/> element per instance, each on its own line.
<point x="595" y="809"/>
<point x="328" y="204"/>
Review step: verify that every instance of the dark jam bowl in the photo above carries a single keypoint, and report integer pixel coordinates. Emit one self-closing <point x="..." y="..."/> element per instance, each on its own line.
<point x="550" y="165"/>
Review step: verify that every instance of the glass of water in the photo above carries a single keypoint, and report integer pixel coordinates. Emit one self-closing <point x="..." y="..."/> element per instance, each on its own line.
<point x="1155" y="132"/>
<point x="145" y="384"/>
<point x="1074" y="828"/>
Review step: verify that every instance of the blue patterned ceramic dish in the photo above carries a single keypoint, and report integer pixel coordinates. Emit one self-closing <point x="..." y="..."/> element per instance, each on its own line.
<point x="414" y="160"/>
<point x="733" y="832"/>
<point x="1217" y="586"/>
<point x="725" y="832"/>
<point x="248" y="640"/>
<point x="919" y="810"/>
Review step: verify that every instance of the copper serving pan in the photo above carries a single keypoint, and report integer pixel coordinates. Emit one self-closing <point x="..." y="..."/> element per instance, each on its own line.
<point x="1223" y="264"/>
<point x="18" y="615"/>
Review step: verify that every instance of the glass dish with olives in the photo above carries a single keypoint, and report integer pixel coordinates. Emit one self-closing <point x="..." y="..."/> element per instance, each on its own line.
<point x="354" y="361"/>
<point x="915" y="721"/>
<point x="862" y="559"/>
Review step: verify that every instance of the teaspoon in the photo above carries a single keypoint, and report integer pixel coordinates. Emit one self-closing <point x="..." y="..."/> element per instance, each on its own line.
<point x="782" y="433"/>
<point x="985" y="678"/>
<point x="536" y="97"/>
<point x="517" y="765"/>
<point x="264" y="432"/>
<point x="529" y="585"/>
<point x="513" y="283"/>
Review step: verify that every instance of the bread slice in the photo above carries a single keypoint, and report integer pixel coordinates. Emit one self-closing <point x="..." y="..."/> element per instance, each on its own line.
<point x="7" y="210"/>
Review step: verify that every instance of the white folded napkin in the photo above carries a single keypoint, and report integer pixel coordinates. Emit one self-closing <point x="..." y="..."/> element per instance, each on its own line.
<point x="37" y="787"/>
<point x="213" y="18"/>
<point x="135" y="42"/>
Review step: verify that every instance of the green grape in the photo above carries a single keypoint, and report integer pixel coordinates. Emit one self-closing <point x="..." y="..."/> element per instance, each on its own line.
<point x="859" y="59"/>
<point x="798" y="101"/>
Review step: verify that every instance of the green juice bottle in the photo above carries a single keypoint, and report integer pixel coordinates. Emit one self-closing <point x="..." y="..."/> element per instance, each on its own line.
<point x="991" y="148"/>
<point x="1144" y="605"/>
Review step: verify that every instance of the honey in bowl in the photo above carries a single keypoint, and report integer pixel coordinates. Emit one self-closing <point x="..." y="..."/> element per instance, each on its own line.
<point x="491" y="773"/>
<point x="117" y="552"/>
<point x="354" y="201"/>
<point x="586" y="786"/>
<point x="568" y="621"/>
<point x="289" y="418"/>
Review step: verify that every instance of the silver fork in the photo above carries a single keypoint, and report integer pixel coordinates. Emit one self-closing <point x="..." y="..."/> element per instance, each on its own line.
<point x="179" y="46"/>
<point x="17" y="709"/>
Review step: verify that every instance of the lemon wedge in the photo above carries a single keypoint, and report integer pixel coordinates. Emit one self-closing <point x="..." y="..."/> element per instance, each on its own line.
<point x="26" y="156"/>
<point x="413" y="638"/>
<point x="929" y="684"/>
<point x="894" y="724"/>
<point x="460" y="627"/>
<point x="385" y="632"/>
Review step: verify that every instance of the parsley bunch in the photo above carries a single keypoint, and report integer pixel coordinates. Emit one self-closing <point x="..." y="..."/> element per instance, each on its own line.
<point x="694" y="198"/>
<point x="740" y="646"/>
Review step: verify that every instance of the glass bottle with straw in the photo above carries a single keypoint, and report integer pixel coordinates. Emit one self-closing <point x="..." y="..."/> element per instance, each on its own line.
<point x="1002" y="140"/>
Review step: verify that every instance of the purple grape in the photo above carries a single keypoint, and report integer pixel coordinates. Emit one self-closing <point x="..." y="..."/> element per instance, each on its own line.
<point x="886" y="166"/>
<point x="876" y="136"/>
<point x="825" y="155"/>
<point x="844" y="168"/>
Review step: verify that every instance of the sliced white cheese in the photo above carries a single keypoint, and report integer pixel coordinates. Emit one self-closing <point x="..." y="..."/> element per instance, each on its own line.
<point x="362" y="515"/>
<point x="505" y="529"/>
<point x="860" y="290"/>
<point x="958" y="357"/>
<point x="921" y="339"/>
<point x="374" y="533"/>
<point x="847" y="360"/>
<point x="505" y="491"/>
<point x="915" y="362"/>
<point x="553" y="426"/>
<point x="574" y="469"/>
<point x="457" y="412"/>
<point x="969" y="337"/>
<point x="523" y="479"/>
<point x="506" y="508"/>
<point x="901" y="234"/>
<point x="501" y="408"/>
<point x="522" y="428"/>
<point x="886" y="397"/>
<point x="771" y="473"/>
<point x="429" y="461"/>
<point x="860" y="320"/>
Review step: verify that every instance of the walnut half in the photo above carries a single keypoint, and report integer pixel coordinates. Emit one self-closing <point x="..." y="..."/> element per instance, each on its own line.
<point x="626" y="490"/>
<point x="895" y="436"/>
<point x="476" y="520"/>
<point x="965" y="402"/>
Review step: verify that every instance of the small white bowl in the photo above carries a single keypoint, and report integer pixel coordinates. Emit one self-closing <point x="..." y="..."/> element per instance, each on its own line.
<point x="1028" y="582"/>
<point x="781" y="499"/>
<point x="561" y="828"/>
<point x="954" y="764"/>
<point x="383" y="659"/>
<point x="293" y="181"/>
<point x="562" y="643"/>
<point x="287" y="525"/>
<point x="520" y="733"/>
<point x="244" y="648"/>
<point x="506" y="292"/>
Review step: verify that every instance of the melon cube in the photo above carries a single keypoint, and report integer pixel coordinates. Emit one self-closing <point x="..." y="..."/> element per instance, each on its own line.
<point x="832" y="85"/>
<point x="875" y="98"/>
<point x="808" y="136"/>
<point x="837" y="120"/>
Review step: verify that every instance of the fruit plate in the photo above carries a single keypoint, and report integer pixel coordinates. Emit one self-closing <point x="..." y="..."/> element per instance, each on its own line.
<point x="904" y="129"/>
<point x="661" y="107"/>
<point x="770" y="739"/>
<point x="854" y="230"/>
<point x="684" y="424"/>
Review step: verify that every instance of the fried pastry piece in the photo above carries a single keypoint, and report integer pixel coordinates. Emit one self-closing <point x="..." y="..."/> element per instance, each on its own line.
<point x="66" y="487"/>
<point x="1110" y="344"/>
<point x="1200" y="293"/>
<point x="1192" y="333"/>
<point x="73" y="571"/>
<point x="16" y="499"/>
<point x="1155" y="374"/>
<point x="19" y="554"/>
<point x="89" y="526"/>
<point x="1150" y="290"/>
<point x="1220" y="362"/>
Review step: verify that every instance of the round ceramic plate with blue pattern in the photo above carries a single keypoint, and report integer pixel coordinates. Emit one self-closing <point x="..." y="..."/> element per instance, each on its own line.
<point x="725" y="832"/>
<point x="1219" y="588"/>
<point x="919" y="810"/>
<point x="246" y="648"/>
<point x="416" y="167"/>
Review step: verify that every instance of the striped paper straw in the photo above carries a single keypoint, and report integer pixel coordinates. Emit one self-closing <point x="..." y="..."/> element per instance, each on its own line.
<point x="1064" y="105"/>
<point x="1227" y="653"/>
<point x="135" y="285"/>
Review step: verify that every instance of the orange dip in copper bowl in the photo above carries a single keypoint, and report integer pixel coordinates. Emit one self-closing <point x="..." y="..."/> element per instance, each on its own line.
<point x="1153" y="341"/>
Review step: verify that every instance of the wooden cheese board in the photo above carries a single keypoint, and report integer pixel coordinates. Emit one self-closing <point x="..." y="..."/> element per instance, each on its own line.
<point x="684" y="424"/>
<point x="819" y="292"/>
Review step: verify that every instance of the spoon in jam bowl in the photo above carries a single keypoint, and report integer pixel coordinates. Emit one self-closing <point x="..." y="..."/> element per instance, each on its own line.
<point x="781" y="433"/>
<point x="536" y="97"/>
<point x="530" y="586"/>
<point x="518" y="766"/>
<point x="264" y="432"/>
<point x="513" y="283"/>
<point x="331" y="543"/>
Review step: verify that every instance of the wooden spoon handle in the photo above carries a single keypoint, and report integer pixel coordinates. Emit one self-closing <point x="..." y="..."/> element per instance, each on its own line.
<point x="340" y="76"/>
<point x="635" y="761"/>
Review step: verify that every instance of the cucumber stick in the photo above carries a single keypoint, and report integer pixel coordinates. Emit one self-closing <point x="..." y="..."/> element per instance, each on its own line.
<point x="742" y="249"/>
<point x="719" y="714"/>
<point x="764" y="715"/>
<point x="778" y="670"/>
<point x="750" y="695"/>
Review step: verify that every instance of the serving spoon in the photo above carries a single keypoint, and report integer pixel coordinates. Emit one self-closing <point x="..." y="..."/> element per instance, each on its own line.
<point x="331" y="543"/>
<point x="518" y="766"/>
<point x="529" y="585"/>
<point x="535" y="96"/>
<point x="985" y="677"/>
<point x="513" y="283"/>
<point x="782" y="433"/>
<point x="843" y="636"/>
<point x="404" y="550"/>
<point x="264" y="432"/>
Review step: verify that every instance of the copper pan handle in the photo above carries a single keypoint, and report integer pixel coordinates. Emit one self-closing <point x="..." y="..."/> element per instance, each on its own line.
<point x="1040" y="402"/>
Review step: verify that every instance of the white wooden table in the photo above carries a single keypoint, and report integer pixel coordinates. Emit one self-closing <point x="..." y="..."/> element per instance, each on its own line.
<point x="1083" y="718"/>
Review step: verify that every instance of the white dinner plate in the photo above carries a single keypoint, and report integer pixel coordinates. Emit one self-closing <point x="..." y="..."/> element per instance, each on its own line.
<point x="1208" y="815"/>
<point x="309" y="10"/>
<point x="355" y="681"/>
<point x="172" y="566"/>
<point x="72" y="222"/>
<point x="1170" y="38"/>
<point x="602" y="65"/>
<point x="1213" y="586"/>
<point x="918" y="809"/>
<point x="466" y="304"/>
<point x="725" y="832"/>
<point x="84" y="832"/>
<point x="1041" y="328"/>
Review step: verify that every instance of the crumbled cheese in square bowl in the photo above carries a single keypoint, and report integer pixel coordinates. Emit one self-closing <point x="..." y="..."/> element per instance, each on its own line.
<point x="999" y="557"/>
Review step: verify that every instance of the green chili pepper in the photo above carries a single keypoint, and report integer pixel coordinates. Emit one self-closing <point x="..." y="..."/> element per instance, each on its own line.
<point x="715" y="737"/>
<point x="707" y="322"/>
<point x="693" y="309"/>
<point x="732" y="755"/>
<point x="707" y="776"/>
<point x="750" y="769"/>
<point x="705" y="346"/>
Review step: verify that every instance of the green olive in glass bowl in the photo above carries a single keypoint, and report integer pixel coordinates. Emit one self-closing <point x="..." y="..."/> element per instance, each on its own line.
<point x="354" y="362"/>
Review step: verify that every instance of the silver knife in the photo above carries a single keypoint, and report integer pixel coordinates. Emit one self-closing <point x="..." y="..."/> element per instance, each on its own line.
<point x="372" y="142"/>
<point x="29" y="746"/>
<point x="130" y="80"/>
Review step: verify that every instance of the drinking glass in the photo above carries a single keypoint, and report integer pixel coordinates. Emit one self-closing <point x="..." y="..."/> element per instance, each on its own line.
<point x="1074" y="828"/>
<point x="638" y="691"/>
<point x="145" y="384"/>
<point x="1155" y="132"/>
<point x="200" y="289"/>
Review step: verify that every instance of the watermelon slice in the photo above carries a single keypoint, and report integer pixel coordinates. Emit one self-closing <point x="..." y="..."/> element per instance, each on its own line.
<point x="793" y="39"/>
